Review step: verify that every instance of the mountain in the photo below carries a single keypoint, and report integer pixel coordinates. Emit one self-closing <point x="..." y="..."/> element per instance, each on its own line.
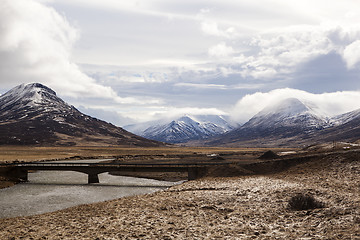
<point x="345" y="127"/>
<point x="33" y="114"/>
<point x="284" y="122"/>
<point x="183" y="129"/>
<point x="289" y="114"/>
<point x="344" y="118"/>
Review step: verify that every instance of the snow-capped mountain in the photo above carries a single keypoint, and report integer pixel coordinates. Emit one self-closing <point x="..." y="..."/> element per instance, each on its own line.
<point x="29" y="101"/>
<point x="344" y="127"/>
<point x="287" y="119"/>
<point x="183" y="129"/>
<point x="289" y="113"/>
<point x="344" y="118"/>
<point x="33" y="114"/>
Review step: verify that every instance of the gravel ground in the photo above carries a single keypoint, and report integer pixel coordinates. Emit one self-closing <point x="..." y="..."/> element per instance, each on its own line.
<point x="245" y="207"/>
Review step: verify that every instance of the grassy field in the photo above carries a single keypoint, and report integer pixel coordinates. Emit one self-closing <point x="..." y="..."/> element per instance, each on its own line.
<point x="30" y="153"/>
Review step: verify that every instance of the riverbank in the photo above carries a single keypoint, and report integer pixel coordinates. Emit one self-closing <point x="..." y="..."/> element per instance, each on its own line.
<point x="244" y="207"/>
<point x="4" y="183"/>
<point x="5" y="180"/>
<point x="174" y="154"/>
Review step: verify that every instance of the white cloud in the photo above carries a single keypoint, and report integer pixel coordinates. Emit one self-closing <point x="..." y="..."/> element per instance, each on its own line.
<point x="110" y="115"/>
<point x="274" y="41"/>
<point x="211" y="28"/>
<point x="352" y="54"/>
<point x="279" y="52"/>
<point x="35" y="46"/>
<point x="149" y="113"/>
<point x="123" y="76"/>
<point x="218" y="86"/>
<point x="174" y="112"/>
<point x="200" y="85"/>
<point x="179" y="54"/>
<point x="330" y="104"/>
<point x="220" y="50"/>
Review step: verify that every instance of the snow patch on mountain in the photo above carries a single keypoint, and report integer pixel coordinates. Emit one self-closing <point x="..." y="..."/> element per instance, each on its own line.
<point x="33" y="101"/>
<point x="345" y="118"/>
<point x="33" y="95"/>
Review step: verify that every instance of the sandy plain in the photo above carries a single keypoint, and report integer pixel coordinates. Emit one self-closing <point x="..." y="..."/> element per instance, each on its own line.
<point x="239" y="207"/>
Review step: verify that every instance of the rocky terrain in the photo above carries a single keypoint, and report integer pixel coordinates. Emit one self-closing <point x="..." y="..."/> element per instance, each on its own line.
<point x="239" y="207"/>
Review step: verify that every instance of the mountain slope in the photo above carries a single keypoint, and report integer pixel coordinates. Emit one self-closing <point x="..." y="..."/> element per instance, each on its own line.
<point x="288" y="113"/>
<point x="33" y="114"/>
<point x="286" y="121"/>
<point x="345" y="127"/>
<point x="183" y="129"/>
<point x="345" y="118"/>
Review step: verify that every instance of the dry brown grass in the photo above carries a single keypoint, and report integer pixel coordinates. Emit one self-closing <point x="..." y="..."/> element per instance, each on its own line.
<point x="247" y="207"/>
<point x="173" y="154"/>
<point x="32" y="153"/>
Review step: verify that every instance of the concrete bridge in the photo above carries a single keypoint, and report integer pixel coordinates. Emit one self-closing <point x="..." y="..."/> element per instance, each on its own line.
<point x="21" y="170"/>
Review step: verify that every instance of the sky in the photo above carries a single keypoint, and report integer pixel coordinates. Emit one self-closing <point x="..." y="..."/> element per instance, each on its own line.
<point x="135" y="61"/>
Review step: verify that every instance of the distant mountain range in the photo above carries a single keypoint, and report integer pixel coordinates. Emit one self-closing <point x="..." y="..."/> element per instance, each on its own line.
<point x="183" y="129"/>
<point x="292" y="123"/>
<point x="32" y="114"/>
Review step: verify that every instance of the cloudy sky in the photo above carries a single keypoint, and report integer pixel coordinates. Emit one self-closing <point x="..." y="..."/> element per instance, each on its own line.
<point x="129" y="61"/>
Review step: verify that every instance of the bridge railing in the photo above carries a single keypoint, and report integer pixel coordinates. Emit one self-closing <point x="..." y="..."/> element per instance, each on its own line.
<point x="74" y="164"/>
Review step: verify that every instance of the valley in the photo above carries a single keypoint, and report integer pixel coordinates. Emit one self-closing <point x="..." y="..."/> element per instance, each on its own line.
<point x="250" y="201"/>
<point x="179" y="120"/>
<point x="285" y="151"/>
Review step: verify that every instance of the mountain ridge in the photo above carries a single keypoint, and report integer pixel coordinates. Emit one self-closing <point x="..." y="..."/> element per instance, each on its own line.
<point x="183" y="129"/>
<point x="290" y="123"/>
<point x="32" y="114"/>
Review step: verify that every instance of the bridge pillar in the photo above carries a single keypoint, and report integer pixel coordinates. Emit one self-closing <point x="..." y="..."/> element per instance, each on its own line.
<point x="192" y="173"/>
<point x="196" y="172"/>
<point x="24" y="175"/>
<point x="93" y="178"/>
<point x="19" y="173"/>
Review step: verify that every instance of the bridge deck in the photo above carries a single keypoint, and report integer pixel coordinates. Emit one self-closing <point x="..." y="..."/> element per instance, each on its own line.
<point x="93" y="169"/>
<point x="115" y="164"/>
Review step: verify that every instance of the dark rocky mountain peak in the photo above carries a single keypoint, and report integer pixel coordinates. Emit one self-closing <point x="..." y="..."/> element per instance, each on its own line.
<point x="33" y="94"/>
<point x="34" y="114"/>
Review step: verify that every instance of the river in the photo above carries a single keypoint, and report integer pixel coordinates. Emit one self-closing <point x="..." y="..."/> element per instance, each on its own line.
<point x="48" y="191"/>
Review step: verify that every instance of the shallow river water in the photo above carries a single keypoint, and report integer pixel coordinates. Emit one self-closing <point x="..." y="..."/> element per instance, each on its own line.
<point x="49" y="191"/>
